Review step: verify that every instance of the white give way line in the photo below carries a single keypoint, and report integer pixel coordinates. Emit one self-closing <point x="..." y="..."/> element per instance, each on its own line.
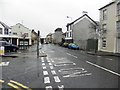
<point x="103" y="68"/>
<point x="71" y="55"/>
<point x="4" y="63"/>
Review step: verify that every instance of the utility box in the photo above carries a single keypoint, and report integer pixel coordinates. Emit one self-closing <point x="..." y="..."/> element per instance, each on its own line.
<point x="2" y="51"/>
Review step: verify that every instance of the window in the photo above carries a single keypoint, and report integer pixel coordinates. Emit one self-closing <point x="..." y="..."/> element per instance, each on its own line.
<point x="14" y="33"/>
<point x="6" y="31"/>
<point x="105" y="14"/>
<point x="104" y="42"/>
<point x="104" y="27"/>
<point x="26" y="34"/>
<point x="70" y="34"/>
<point x="0" y="30"/>
<point x="118" y="26"/>
<point x="118" y="8"/>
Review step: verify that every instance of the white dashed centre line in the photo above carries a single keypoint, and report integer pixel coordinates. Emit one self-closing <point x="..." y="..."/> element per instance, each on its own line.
<point x="53" y="72"/>
<point x="51" y="67"/>
<point x="61" y="87"/>
<point x="43" y="64"/>
<point x="45" y="73"/>
<point x="71" y="55"/>
<point x="56" y="78"/>
<point x="46" y="80"/>
<point x="109" y="59"/>
<point x="48" y="87"/>
<point x="50" y="63"/>
<point x="44" y="67"/>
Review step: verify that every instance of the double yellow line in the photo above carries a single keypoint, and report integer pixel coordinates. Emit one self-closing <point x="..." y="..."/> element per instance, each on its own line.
<point x="15" y="85"/>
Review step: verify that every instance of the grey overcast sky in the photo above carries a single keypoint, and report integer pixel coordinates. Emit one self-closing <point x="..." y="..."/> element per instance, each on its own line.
<point x="47" y="15"/>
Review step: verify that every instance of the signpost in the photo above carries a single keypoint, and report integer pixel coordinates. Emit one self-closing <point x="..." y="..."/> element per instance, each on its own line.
<point x="38" y="44"/>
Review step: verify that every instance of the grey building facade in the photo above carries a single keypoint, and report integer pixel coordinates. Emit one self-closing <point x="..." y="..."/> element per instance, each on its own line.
<point x="83" y="29"/>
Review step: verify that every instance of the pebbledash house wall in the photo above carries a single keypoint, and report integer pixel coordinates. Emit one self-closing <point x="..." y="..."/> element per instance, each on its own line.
<point x="111" y="21"/>
<point x="82" y="31"/>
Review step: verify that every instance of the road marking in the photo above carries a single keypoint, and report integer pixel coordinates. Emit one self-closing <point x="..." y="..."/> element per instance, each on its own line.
<point x="44" y="67"/>
<point x="45" y="73"/>
<point x="42" y="59"/>
<point x="53" y="61"/>
<point x="56" y="78"/>
<point x="50" y="63"/>
<point x="4" y="63"/>
<point x="98" y="56"/>
<point x="77" y="69"/>
<point x="71" y="55"/>
<point x="2" y="81"/>
<point x="51" y="67"/>
<point x="64" y="64"/>
<point x="61" y="87"/>
<point x="46" y="80"/>
<point x="48" y="87"/>
<point x="14" y="86"/>
<point x="109" y="59"/>
<point x="53" y="72"/>
<point x="103" y="68"/>
<point x="43" y="64"/>
<point x="20" y="85"/>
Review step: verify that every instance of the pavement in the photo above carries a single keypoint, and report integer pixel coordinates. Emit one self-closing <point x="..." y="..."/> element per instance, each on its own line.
<point x="103" y="53"/>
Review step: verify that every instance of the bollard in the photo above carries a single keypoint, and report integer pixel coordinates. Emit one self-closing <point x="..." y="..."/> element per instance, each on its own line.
<point x="2" y="51"/>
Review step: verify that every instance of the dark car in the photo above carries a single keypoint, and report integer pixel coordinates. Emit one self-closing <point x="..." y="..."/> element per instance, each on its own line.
<point x="65" y="45"/>
<point x="73" y="46"/>
<point x="9" y="47"/>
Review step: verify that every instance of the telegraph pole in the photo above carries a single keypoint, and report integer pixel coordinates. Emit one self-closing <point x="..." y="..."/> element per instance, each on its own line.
<point x="38" y="44"/>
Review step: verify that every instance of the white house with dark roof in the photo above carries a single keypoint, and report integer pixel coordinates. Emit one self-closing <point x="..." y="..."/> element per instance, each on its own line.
<point x="81" y="30"/>
<point x="5" y="31"/>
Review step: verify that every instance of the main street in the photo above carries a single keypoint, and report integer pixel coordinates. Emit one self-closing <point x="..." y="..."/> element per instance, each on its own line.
<point x="62" y="68"/>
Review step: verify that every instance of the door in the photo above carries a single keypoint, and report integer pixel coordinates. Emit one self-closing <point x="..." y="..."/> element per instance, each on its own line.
<point x="118" y="45"/>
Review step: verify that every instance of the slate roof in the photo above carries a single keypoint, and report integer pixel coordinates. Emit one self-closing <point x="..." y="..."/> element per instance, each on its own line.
<point x="4" y="25"/>
<point x="80" y="18"/>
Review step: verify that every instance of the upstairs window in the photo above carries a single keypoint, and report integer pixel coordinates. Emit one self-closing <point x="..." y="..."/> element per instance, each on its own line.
<point x="70" y="34"/>
<point x="105" y="14"/>
<point x="118" y="26"/>
<point x="104" y="26"/>
<point x="6" y="31"/>
<point x="118" y="8"/>
<point x="0" y="30"/>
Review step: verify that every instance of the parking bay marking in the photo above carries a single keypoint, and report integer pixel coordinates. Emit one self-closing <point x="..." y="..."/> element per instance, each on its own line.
<point x="103" y="68"/>
<point x="14" y="82"/>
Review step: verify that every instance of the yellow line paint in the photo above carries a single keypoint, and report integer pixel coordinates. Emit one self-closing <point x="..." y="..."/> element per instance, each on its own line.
<point x="2" y="81"/>
<point x="20" y="85"/>
<point x="14" y="86"/>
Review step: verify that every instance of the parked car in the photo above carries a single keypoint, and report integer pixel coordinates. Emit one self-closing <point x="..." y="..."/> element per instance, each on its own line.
<point x="9" y="47"/>
<point x="65" y="44"/>
<point x="73" y="46"/>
